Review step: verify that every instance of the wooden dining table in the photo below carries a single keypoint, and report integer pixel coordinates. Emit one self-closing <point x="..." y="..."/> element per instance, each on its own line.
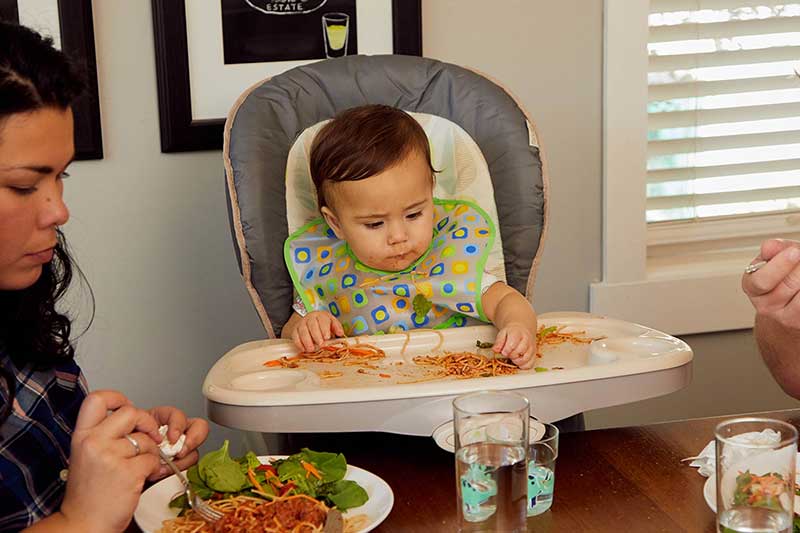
<point x="627" y="479"/>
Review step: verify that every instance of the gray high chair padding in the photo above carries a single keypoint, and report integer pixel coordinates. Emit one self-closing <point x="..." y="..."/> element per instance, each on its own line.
<point x="268" y="118"/>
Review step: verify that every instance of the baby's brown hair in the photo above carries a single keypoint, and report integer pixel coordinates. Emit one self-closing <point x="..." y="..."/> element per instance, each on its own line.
<point x="362" y="142"/>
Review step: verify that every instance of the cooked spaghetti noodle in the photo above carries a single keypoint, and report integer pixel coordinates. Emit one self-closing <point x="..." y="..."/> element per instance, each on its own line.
<point x="291" y="514"/>
<point x="334" y="352"/>
<point x="465" y="365"/>
<point x="553" y="335"/>
<point x="408" y="339"/>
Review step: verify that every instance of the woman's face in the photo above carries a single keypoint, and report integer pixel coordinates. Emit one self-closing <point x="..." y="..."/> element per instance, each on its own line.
<point x="35" y="149"/>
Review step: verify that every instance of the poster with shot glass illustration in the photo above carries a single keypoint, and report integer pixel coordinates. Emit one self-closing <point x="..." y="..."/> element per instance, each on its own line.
<point x="256" y="31"/>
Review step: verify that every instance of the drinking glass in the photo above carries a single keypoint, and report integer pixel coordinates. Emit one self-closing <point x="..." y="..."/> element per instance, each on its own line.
<point x="491" y="443"/>
<point x="755" y="470"/>
<point x="335" y="28"/>
<point x="542" y="454"/>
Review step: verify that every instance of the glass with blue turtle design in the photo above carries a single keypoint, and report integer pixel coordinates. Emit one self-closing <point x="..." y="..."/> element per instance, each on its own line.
<point x="491" y="438"/>
<point x="542" y="456"/>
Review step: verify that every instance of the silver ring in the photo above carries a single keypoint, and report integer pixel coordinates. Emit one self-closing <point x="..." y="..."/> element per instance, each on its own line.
<point x="134" y="443"/>
<point x="754" y="267"/>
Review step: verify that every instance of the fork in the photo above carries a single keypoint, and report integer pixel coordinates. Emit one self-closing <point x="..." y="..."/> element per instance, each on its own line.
<point x="205" y="511"/>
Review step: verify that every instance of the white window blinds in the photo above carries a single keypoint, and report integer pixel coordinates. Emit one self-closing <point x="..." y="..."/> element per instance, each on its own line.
<point x="724" y="109"/>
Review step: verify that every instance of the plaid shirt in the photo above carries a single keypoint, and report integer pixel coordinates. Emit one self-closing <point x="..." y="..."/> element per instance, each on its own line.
<point x="35" y="441"/>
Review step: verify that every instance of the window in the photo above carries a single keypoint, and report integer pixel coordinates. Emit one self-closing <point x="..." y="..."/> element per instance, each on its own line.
<point x="724" y="109"/>
<point x="701" y="135"/>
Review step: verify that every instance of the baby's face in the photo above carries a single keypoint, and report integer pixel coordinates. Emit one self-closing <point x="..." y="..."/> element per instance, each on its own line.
<point x="387" y="219"/>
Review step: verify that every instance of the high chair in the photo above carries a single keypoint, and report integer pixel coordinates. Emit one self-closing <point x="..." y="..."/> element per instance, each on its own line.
<point x="487" y="151"/>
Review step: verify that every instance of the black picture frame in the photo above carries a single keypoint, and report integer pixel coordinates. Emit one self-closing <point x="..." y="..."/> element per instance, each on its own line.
<point x="77" y="41"/>
<point x="179" y="131"/>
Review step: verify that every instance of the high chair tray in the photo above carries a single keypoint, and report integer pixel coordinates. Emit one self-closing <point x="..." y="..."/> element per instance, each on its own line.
<point x="628" y="363"/>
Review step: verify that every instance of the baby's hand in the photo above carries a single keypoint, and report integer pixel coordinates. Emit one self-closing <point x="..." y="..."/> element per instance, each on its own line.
<point x="518" y="343"/>
<point x="314" y="329"/>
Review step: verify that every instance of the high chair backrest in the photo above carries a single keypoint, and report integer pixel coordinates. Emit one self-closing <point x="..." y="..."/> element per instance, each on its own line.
<point x="271" y="123"/>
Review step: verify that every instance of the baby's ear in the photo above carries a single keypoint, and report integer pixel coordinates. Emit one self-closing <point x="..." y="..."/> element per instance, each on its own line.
<point x="332" y="221"/>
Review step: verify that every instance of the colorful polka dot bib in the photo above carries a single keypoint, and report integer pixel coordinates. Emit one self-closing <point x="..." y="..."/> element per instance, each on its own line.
<point x="441" y="289"/>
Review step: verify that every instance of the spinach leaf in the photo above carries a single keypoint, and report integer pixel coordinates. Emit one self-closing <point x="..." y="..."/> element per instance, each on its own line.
<point x="221" y="473"/>
<point x="546" y="331"/>
<point x="421" y="304"/>
<point x="179" y="502"/>
<point x="250" y="460"/>
<point x="198" y="485"/>
<point x="332" y="466"/>
<point x="344" y="494"/>
<point x="291" y="469"/>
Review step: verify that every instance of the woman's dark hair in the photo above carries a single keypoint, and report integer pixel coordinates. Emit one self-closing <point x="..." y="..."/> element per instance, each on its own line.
<point x="34" y="75"/>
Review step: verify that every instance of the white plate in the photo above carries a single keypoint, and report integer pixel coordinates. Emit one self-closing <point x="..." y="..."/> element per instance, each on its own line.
<point x="443" y="435"/>
<point x="710" y="491"/>
<point x="153" y="506"/>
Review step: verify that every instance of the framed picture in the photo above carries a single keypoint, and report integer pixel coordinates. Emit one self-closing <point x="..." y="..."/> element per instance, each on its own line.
<point x="208" y="53"/>
<point x="69" y="23"/>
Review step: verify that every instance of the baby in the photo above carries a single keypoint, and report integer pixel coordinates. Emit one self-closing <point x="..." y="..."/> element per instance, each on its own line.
<point x="387" y="256"/>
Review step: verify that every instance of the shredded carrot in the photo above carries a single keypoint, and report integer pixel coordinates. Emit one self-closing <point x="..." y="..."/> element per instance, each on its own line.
<point x="274" y="362"/>
<point x="252" y="476"/>
<point x="335" y="352"/>
<point x="311" y="469"/>
<point x="385" y="375"/>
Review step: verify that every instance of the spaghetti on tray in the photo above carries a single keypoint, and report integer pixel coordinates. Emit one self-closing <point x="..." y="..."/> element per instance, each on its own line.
<point x="335" y="352"/>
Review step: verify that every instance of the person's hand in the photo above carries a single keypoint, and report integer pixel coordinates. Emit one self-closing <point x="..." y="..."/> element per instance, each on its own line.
<point x="196" y="430"/>
<point x="518" y="343"/>
<point x="314" y="329"/>
<point x="106" y="472"/>
<point x="774" y="289"/>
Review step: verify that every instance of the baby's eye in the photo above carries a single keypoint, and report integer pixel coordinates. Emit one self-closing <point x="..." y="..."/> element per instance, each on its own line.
<point x="412" y="216"/>
<point x="374" y="225"/>
<point x="23" y="191"/>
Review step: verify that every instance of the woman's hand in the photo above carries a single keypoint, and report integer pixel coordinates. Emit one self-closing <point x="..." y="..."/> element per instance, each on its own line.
<point x="518" y="343"/>
<point x="196" y="430"/>
<point x="106" y="473"/>
<point x="314" y="329"/>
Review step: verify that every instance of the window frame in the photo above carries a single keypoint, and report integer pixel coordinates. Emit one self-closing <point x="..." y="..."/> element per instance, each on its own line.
<point x="688" y="292"/>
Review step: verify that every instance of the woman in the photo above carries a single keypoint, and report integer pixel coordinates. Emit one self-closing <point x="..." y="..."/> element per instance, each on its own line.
<point x="68" y="461"/>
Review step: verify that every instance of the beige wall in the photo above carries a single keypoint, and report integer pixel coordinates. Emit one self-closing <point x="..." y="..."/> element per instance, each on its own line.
<point x="151" y="232"/>
<point x="550" y="55"/>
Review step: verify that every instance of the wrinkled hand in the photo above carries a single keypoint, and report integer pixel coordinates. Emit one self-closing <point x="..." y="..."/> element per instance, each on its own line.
<point x="106" y="475"/>
<point x="774" y="290"/>
<point x="314" y="329"/>
<point x="196" y="430"/>
<point x="518" y="343"/>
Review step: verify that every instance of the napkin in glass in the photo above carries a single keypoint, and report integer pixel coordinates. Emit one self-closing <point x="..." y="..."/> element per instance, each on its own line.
<point x="705" y="461"/>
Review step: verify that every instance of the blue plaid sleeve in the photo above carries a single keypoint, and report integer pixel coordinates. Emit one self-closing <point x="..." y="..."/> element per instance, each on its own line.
<point x="35" y="441"/>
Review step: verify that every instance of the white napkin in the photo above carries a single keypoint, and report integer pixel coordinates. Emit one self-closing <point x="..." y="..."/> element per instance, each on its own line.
<point x="706" y="459"/>
<point x="171" y="450"/>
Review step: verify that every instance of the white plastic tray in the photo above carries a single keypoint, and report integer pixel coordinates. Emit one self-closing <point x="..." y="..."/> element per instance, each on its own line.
<point x="631" y="363"/>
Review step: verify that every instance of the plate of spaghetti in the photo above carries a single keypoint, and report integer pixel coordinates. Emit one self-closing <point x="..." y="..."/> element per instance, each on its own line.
<point x="288" y="511"/>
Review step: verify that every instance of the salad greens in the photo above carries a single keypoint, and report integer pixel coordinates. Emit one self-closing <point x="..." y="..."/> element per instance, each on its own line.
<point x="761" y="491"/>
<point x="316" y="474"/>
